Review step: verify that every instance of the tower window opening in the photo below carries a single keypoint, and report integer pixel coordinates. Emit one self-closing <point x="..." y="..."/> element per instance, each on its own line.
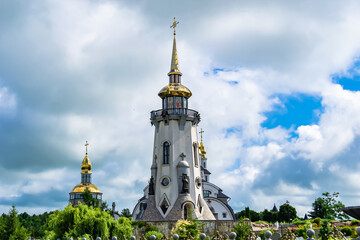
<point x="164" y="206"/>
<point x="166" y="153"/>
<point x="196" y="155"/>
<point x="207" y="193"/>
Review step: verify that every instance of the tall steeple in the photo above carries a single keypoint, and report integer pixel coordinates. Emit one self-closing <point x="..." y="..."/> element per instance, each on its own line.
<point x="174" y="67"/>
<point x="175" y="187"/>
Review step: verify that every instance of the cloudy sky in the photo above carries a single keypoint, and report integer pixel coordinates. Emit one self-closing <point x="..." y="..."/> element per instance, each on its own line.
<point x="277" y="84"/>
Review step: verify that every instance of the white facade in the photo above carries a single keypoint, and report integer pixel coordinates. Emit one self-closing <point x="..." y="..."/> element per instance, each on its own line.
<point x="218" y="205"/>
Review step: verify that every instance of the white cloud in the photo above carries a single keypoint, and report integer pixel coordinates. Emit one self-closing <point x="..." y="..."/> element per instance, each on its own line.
<point x="7" y="100"/>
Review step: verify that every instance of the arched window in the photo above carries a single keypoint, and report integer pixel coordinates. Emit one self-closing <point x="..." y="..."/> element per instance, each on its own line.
<point x="166" y="153"/>
<point x="196" y="154"/>
<point x="206" y="193"/>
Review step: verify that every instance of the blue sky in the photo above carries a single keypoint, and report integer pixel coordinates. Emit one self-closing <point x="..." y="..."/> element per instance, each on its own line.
<point x="277" y="86"/>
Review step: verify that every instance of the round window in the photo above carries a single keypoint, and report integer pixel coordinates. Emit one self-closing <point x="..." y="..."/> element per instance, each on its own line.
<point x="198" y="182"/>
<point x="165" y="181"/>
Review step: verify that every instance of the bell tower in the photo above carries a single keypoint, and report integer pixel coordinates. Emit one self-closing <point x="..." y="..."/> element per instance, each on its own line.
<point x="175" y="186"/>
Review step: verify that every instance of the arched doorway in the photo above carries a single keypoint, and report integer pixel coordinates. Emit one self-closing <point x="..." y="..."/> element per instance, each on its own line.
<point x="188" y="210"/>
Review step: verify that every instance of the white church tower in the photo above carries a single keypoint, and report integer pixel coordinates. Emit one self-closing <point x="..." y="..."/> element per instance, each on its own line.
<point x="175" y="188"/>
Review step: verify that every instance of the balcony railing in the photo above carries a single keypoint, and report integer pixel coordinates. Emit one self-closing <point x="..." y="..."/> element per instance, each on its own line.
<point x="174" y="111"/>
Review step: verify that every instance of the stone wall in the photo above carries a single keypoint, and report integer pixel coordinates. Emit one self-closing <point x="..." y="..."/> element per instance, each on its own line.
<point x="208" y="226"/>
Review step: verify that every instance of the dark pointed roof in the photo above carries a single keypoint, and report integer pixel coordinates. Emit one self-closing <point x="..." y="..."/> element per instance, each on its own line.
<point x="274" y="209"/>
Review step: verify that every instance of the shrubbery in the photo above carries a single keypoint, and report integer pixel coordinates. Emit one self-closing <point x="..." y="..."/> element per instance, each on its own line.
<point x="242" y="229"/>
<point x="85" y="221"/>
<point x="347" y="231"/>
<point x="157" y="234"/>
<point x="184" y="228"/>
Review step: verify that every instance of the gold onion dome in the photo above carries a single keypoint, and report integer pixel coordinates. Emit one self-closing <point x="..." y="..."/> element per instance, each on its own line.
<point x="86" y="165"/>
<point x="81" y="187"/>
<point x="202" y="150"/>
<point x="202" y="147"/>
<point x="175" y="89"/>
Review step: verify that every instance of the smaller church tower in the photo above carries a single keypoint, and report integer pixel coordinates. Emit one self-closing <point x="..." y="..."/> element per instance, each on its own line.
<point x="76" y="195"/>
<point x="217" y="201"/>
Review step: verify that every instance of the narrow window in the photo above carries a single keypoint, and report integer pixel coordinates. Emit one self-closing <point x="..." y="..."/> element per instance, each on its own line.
<point x="166" y="153"/>
<point x="196" y="155"/>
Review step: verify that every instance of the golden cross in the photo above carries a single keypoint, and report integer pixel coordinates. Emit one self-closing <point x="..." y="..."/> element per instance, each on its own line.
<point x="201" y="132"/>
<point x="86" y="144"/>
<point x="175" y="23"/>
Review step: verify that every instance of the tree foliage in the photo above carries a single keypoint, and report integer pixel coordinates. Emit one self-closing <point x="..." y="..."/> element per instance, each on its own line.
<point x="325" y="230"/>
<point x="125" y="213"/>
<point x="287" y="213"/>
<point x="328" y="207"/>
<point x="10" y="227"/>
<point x="248" y="213"/>
<point x="85" y="221"/>
<point x="184" y="228"/>
<point x="242" y="229"/>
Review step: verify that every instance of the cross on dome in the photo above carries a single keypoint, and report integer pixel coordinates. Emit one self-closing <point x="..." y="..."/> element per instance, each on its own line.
<point x="201" y="132"/>
<point x="86" y="145"/>
<point x="175" y="23"/>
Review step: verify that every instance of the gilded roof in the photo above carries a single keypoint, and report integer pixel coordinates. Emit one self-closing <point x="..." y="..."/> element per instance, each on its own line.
<point x="86" y="165"/>
<point x="174" y="67"/>
<point x="202" y="150"/>
<point x="175" y="89"/>
<point x="81" y="187"/>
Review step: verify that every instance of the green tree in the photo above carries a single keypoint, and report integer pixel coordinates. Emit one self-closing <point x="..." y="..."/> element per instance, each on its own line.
<point x="248" y="213"/>
<point x="85" y="221"/>
<point x="328" y="207"/>
<point x="12" y="222"/>
<point x="242" y="229"/>
<point x="34" y="224"/>
<point x="287" y="213"/>
<point x="325" y="230"/>
<point x="89" y="200"/>
<point x="269" y="216"/>
<point x="3" y="226"/>
<point x="125" y="213"/>
<point x="20" y="233"/>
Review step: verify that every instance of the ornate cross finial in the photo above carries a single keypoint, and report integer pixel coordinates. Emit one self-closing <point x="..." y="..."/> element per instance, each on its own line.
<point x="86" y="145"/>
<point x="201" y="132"/>
<point x="175" y="23"/>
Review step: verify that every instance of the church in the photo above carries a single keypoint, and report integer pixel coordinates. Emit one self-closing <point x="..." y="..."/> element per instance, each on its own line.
<point x="76" y="195"/>
<point x="179" y="185"/>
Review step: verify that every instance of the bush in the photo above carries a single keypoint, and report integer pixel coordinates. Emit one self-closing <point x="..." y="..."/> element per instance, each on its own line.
<point x="301" y="232"/>
<point x="325" y="230"/>
<point x="183" y="228"/>
<point x="347" y="231"/>
<point x="261" y="234"/>
<point x="317" y="221"/>
<point x="355" y="222"/>
<point x="157" y="234"/>
<point x="242" y="229"/>
<point x="297" y="221"/>
<point x="83" y="220"/>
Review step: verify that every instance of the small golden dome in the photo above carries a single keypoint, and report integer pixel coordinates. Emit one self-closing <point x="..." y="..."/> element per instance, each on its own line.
<point x="86" y="165"/>
<point x="202" y="150"/>
<point x="175" y="89"/>
<point x="81" y="187"/>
